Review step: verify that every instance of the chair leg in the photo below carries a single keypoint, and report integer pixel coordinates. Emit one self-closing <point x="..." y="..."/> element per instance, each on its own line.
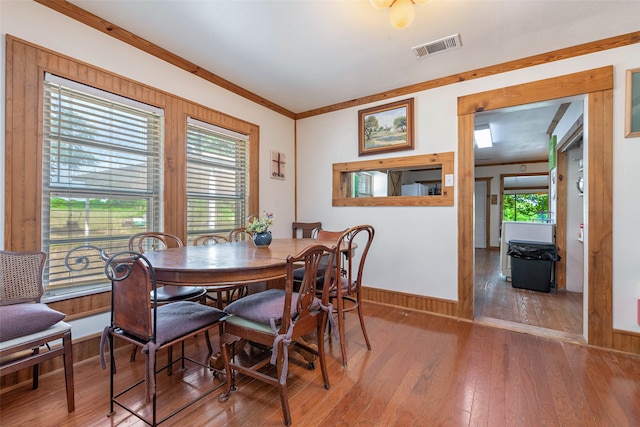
<point x="134" y="351"/>
<point x="68" y="372"/>
<point x="36" y="370"/>
<point x="343" y="344"/>
<point x="226" y="342"/>
<point x="321" y="353"/>
<point x="208" y="340"/>
<point x="112" y="372"/>
<point x="284" y="400"/>
<point x="364" y="330"/>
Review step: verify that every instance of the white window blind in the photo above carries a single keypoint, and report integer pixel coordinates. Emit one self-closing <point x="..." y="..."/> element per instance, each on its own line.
<point x="217" y="179"/>
<point x="101" y="178"/>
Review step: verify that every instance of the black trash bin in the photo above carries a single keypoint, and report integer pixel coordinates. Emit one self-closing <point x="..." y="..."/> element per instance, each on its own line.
<point x="532" y="264"/>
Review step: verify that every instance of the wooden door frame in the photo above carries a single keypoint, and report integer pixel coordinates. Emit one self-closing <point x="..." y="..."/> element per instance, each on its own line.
<point x="597" y="85"/>
<point x="487" y="213"/>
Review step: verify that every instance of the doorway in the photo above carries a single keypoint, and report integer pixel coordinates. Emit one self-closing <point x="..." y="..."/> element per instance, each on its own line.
<point x="522" y="204"/>
<point x="597" y="85"/>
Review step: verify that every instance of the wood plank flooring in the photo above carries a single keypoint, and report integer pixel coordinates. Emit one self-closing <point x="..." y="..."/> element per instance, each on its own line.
<point x="423" y="370"/>
<point x="500" y="304"/>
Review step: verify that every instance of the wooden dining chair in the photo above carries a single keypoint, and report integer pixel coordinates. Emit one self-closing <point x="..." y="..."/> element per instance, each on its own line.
<point x="29" y="330"/>
<point x="323" y="235"/>
<point x="238" y="234"/>
<point x="152" y="241"/>
<point x="277" y="319"/>
<point x="304" y="229"/>
<point x="136" y="319"/>
<point x="348" y="294"/>
<point x="207" y="239"/>
<point x="155" y="240"/>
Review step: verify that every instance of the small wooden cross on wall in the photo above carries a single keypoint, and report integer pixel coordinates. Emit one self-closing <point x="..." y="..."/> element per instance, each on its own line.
<point x="277" y="165"/>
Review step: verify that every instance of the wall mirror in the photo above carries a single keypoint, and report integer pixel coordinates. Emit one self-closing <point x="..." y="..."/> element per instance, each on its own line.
<point x="423" y="180"/>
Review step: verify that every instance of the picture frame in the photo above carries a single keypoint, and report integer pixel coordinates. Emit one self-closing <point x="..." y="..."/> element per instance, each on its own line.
<point x="386" y="128"/>
<point x="632" y="116"/>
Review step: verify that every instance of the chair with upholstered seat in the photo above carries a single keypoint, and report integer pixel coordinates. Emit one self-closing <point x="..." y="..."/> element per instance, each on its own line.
<point x="29" y="328"/>
<point x="152" y="241"/>
<point x="135" y="318"/>
<point x="278" y="319"/>
<point x="323" y="235"/>
<point x="304" y="229"/>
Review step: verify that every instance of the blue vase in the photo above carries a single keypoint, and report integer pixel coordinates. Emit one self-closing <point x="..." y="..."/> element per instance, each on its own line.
<point x="262" y="240"/>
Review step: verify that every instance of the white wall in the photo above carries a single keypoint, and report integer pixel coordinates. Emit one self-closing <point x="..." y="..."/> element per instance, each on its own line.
<point x="415" y="249"/>
<point x="32" y="22"/>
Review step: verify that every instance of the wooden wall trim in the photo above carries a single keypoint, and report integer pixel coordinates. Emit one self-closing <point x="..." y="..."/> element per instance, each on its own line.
<point x="561" y="219"/>
<point x="599" y="222"/>
<point x="555" y="87"/>
<point x="466" y="193"/>
<point x="531" y="61"/>
<point x="95" y="22"/>
<point x="411" y="301"/>
<point x="597" y="84"/>
<point x="106" y="27"/>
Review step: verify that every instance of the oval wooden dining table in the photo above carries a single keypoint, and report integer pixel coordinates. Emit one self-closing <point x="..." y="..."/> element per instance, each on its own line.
<point x="226" y="264"/>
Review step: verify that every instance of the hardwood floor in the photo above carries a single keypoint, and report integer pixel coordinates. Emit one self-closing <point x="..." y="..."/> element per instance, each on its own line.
<point x="500" y="304"/>
<point x="423" y="370"/>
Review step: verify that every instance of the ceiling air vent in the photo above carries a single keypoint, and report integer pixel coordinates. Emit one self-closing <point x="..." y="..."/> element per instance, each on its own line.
<point x="447" y="43"/>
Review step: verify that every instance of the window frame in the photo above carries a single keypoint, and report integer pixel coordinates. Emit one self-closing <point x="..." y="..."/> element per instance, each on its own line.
<point x="80" y="123"/>
<point x="239" y="155"/>
<point x="26" y="64"/>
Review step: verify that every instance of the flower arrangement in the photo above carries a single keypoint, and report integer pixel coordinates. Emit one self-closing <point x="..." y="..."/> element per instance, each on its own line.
<point x="260" y="224"/>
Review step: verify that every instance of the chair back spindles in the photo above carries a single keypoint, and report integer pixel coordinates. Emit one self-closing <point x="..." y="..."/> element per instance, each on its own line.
<point x="152" y="241"/>
<point x="238" y="234"/>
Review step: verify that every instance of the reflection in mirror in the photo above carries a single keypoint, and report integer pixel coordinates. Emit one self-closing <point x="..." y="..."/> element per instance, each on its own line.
<point x="422" y="180"/>
<point x="390" y="183"/>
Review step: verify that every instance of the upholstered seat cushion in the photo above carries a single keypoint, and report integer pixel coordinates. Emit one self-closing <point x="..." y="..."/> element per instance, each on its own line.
<point x="263" y="306"/>
<point x="298" y="274"/>
<point x="18" y="320"/>
<point x="178" y="293"/>
<point x="182" y="317"/>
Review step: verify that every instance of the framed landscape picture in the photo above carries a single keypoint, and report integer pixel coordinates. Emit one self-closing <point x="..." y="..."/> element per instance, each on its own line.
<point x="386" y="128"/>
<point x="632" y="120"/>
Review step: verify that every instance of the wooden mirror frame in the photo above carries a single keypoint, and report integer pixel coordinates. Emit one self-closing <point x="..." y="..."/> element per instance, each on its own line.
<point x="341" y="172"/>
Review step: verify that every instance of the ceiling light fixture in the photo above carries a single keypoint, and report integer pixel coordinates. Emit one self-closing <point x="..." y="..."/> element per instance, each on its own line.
<point x="401" y="12"/>
<point x="482" y="136"/>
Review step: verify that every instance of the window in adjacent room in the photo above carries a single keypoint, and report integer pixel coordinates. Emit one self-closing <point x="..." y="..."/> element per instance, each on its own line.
<point x="217" y="179"/>
<point x="101" y="175"/>
<point x="528" y="207"/>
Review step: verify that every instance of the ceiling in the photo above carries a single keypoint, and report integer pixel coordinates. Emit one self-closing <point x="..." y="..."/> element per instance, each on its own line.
<point x="308" y="54"/>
